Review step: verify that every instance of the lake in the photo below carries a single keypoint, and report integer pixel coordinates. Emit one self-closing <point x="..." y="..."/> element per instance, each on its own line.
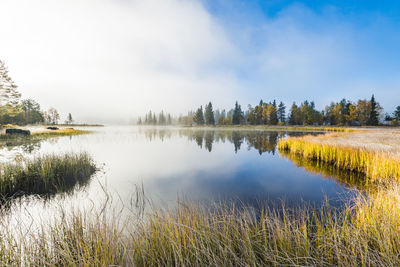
<point x="239" y="166"/>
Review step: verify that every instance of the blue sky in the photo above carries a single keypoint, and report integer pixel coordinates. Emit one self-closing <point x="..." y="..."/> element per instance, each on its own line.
<point x="129" y="56"/>
<point x="353" y="47"/>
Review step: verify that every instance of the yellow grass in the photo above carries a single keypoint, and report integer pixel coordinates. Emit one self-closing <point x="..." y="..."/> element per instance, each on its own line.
<point x="374" y="153"/>
<point x="366" y="233"/>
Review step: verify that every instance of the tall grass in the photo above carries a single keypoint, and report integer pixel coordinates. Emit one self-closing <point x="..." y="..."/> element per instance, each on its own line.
<point x="45" y="175"/>
<point x="366" y="233"/>
<point x="374" y="164"/>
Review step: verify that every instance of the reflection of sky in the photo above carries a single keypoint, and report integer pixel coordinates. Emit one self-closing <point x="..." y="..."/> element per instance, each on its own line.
<point x="176" y="166"/>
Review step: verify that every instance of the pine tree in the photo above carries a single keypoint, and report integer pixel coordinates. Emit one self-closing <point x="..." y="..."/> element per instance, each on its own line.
<point x="293" y="114"/>
<point x="198" y="116"/>
<point x="237" y="116"/>
<point x="396" y="113"/>
<point x="8" y="89"/>
<point x="169" y="120"/>
<point x="282" y="112"/>
<point x="209" y="114"/>
<point x="373" y="117"/>
<point x="273" y="114"/>
<point x="69" y="119"/>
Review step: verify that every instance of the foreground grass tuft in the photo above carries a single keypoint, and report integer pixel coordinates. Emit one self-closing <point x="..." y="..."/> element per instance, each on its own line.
<point x="366" y="233"/>
<point x="45" y="175"/>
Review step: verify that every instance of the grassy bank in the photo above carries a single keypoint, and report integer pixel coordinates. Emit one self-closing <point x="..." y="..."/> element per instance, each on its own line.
<point x="364" y="234"/>
<point x="41" y="133"/>
<point x="45" y="175"/>
<point x="375" y="154"/>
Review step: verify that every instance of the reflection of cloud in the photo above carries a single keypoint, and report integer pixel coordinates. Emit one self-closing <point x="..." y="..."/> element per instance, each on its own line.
<point x="114" y="59"/>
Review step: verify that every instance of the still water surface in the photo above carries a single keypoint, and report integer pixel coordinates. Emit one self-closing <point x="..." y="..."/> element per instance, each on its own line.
<point x="202" y="165"/>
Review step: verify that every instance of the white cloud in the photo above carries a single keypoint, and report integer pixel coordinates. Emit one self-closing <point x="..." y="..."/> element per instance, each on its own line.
<point x="107" y="59"/>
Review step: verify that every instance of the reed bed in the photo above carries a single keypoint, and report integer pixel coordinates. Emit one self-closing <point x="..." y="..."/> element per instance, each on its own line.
<point x="375" y="154"/>
<point x="45" y="174"/>
<point x="365" y="233"/>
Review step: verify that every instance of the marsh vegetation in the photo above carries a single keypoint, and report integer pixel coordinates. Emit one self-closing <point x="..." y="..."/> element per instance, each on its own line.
<point x="45" y="175"/>
<point x="362" y="230"/>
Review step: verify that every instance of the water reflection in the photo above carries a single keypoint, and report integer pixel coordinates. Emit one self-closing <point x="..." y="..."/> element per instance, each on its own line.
<point x="202" y="164"/>
<point x="347" y="178"/>
<point x="263" y="141"/>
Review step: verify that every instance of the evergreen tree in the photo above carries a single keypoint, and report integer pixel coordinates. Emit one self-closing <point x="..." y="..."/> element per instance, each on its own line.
<point x="396" y="113"/>
<point x="293" y="114"/>
<point x="69" y="119"/>
<point x="32" y="112"/>
<point x="373" y="118"/>
<point x="273" y="114"/>
<point x="282" y="112"/>
<point x="237" y="115"/>
<point x="169" y="119"/>
<point x="198" y="116"/>
<point x="209" y="114"/>
<point x="8" y="89"/>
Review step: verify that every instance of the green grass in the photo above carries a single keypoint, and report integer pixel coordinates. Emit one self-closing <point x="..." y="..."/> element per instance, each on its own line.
<point x="45" y="175"/>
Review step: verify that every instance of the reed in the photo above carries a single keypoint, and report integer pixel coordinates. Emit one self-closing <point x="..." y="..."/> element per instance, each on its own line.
<point x="372" y="161"/>
<point x="365" y="233"/>
<point x="45" y="175"/>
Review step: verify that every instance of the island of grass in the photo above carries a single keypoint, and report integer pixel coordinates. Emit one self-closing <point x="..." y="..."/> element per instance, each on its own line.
<point x="45" y="175"/>
<point x="39" y="132"/>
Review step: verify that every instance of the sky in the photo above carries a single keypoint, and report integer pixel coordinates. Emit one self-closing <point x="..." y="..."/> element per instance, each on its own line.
<point x="109" y="61"/>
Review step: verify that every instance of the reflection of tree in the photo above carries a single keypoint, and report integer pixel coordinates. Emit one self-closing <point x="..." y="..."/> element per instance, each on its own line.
<point x="262" y="141"/>
<point x="209" y="139"/>
<point x="198" y="137"/>
<point x="237" y="140"/>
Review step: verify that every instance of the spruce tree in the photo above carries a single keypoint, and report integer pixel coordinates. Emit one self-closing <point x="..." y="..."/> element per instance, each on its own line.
<point x="237" y="114"/>
<point x="209" y="114"/>
<point x="282" y="112"/>
<point x="198" y="116"/>
<point x="373" y="117"/>
<point x="273" y="115"/>
<point x="396" y="113"/>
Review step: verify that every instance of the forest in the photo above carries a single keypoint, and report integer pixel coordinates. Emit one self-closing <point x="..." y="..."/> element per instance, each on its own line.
<point x="362" y="112"/>
<point x="13" y="110"/>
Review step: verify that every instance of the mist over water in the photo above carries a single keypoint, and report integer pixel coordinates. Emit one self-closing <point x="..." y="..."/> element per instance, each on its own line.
<point x="216" y="165"/>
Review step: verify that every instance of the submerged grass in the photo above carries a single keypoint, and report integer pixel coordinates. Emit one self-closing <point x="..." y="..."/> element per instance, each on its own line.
<point x="45" y="175"/>
<point x="365" y="233"/>
<point x="370" y="156"/>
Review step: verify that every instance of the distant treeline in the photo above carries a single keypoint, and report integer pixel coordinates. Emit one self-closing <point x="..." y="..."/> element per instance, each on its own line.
<point x="13" y="110"/>
<point x="345" y="113"/>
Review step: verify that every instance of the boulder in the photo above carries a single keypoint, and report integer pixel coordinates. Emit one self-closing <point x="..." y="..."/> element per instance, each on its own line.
<point x="18" y="131"/>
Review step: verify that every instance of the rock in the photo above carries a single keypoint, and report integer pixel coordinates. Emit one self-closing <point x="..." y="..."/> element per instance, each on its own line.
<point x="18" y="131"/>
<point x="52" y="128"/>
